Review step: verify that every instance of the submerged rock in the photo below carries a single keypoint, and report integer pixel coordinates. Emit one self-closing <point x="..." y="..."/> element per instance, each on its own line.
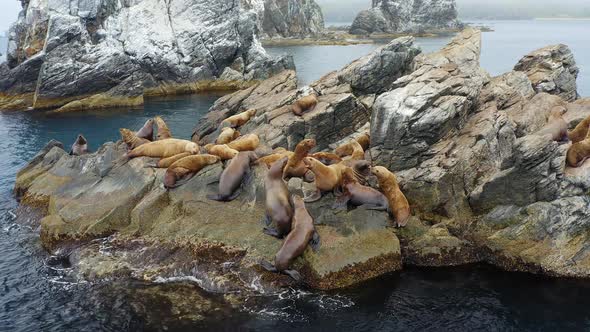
<point x="413" y="16"/>
<point x="104" y="53"/>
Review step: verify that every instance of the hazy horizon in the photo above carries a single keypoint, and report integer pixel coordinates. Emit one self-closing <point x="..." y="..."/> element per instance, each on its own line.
<point x="346" y="10"/>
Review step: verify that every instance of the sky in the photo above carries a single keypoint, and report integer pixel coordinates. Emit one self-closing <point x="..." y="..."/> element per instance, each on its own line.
<point x="345" y="10"/>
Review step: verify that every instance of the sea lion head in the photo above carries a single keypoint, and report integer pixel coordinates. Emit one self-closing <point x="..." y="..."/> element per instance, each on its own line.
<point x="380" y="172"/>
<point x="169" y="179"/>
<point x="81" y="140"/>
<point x="558" y="111"/>
<point x="309" y="143"/>
<point x="251" y="112"/>
<point x="125" y="132"/>
<point x="208" y="147"/>
<point x="297" y="201"/>
<point x="192" y="148"/>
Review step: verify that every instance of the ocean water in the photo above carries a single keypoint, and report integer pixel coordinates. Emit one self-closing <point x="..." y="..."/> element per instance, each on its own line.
<point x="42" y="293"/>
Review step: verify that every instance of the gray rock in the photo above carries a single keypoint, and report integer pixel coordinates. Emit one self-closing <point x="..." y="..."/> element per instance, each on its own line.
<point x="552" y="69"/>
<point x="288" y="18"/>
<point x="395" y="16"/>
<point x="101" y="53"/>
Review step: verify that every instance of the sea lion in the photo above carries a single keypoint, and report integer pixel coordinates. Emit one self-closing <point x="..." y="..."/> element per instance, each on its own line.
<point x="80" y="146"/>
<point x="227" y="135"/>
<point x="131" y="140"/>
<point x="303" y="233"/>
<point x="578" y="152"/>
<point x="326" y="158"/>
<point x="222" y="151"/>
<point x="164" y="148"/>
<point x="185" y="168"/>
<point x="245" y="143"/>
<point x="238" y="120"/>
<point x="233" y="176"/>
<point x="163" y="130"/>
<point x="365" y="141"/>
<point x="556" y="127"/>
<point x="167" y="162"/>
<point x="147" y="131"/>
<point x="358" y="195"/>
<point x="398" y="204"/>
<point x="326" y="178"/>
<point x="352" y="148"/>
<point x="304" y="104"/>
<point x="278" y="203"/>
<point x="579" y="133"/>
<point x="295" y="167"/>
<point x="273" y="158"/>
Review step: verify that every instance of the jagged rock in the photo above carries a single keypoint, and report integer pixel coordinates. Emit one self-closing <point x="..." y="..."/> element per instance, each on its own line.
<point x="395" y="16"/>
<point x="288" y="18"/>
<point x="104" y="53"/>
<point x="552" y="69"/>
<point x="428" y="104"/>
<point x="341" y="110"/>
<point x="131" y="200"/>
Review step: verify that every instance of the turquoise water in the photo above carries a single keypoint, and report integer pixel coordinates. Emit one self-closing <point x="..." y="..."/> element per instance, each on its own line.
<point x="40" y="293"/>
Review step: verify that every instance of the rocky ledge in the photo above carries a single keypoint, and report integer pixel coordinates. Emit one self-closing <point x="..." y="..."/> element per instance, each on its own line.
<point x="103" y="53"/>
<point x="482" y="186"/>
<point x="407" y="16"/>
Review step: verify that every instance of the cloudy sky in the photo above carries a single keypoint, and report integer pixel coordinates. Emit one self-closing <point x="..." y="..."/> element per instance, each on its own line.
<point x="345" y="10"/>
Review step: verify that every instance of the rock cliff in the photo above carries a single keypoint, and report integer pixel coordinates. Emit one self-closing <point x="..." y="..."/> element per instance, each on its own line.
<point x="100" y="53"/>
<point x="287" y="18"/>
<point x="482" y="186"/>
<point x="408" y="16"/>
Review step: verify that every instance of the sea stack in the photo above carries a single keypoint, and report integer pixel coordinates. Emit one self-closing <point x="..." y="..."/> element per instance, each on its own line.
<point x="407" y="16"/>
<point x="287" y="18"/>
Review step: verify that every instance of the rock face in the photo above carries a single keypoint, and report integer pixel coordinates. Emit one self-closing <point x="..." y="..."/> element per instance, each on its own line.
<point x="410" y="16"/>
<point x="105" y="53"/>
<point x="482" y="186"/>
<point x="552" y="69"/>
<point x="288" y="18"/>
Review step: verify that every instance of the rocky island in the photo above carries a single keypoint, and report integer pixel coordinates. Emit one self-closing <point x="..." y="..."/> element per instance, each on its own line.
<point x="482" y="184"/>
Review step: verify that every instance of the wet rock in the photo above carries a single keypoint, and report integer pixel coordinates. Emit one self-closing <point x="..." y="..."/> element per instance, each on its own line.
<point x="395" y="16"/>
<point x="552" y="69"/>
<point x="104" y="53"/>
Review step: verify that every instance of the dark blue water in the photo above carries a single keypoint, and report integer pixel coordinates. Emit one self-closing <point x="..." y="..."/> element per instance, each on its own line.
<point x="40" y="293"/>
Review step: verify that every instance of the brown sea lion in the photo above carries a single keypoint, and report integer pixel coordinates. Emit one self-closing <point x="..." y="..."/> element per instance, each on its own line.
<point x="238" y="120"/>
<point x="365" y="141"/>
<point x="578" y="152"/>
<point x="163" y="130"/>
<point x="227" y="135"/>
<point x="233" y="176"/>
<point x="295" y="167"/>
<point x="278" y="201"/>
<point x="303" y="233"/>
<point x="185" y="168"/>
<point x="556" y="127"/>
<point x="353" y="149"/>
<point x="164" y="148"/>
<point x="304" y="104"/>
<point x="222" y="151"/>
<point x="131" y="140"/>
<point x="245" y="143"/>
<point x="580" y="132"/>
<point x="147" y="131"/>
<point x="167" y="162"/>
<point x="80" y="146"/>
<point x="326" y="158"/>
<point x="398" y="204"/>
<point x="273" y="158"/>
<point x="355" y="194"/>
<point x="326" y="178"/>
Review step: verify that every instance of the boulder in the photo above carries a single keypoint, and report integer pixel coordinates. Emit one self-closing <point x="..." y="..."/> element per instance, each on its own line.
<point x="103" y="53"/>
<point x="408" y="16"/>
<point x="552" y="69"/>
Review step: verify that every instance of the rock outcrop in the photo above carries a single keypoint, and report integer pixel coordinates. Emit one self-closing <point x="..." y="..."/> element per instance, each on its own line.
<point x="103" y="53"/>
<point x="287" y="18"/>
<point x="407" y="16"/>
<point x="483" y="187"/>
<point x="552" y="69"/>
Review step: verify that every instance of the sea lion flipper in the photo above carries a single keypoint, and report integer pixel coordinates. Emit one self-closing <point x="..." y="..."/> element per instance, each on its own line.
<point x="272" y="232"/>
<point x="293" y="274"/>
<point x="341" y="202"/>
<point x="268" y="266"/>
<point x="316" y="196"/>
<point x="234" y="195"/>
<point x="216" y="197"/>
<point x="315" y="242"/>
<point x="267" y="220"/>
